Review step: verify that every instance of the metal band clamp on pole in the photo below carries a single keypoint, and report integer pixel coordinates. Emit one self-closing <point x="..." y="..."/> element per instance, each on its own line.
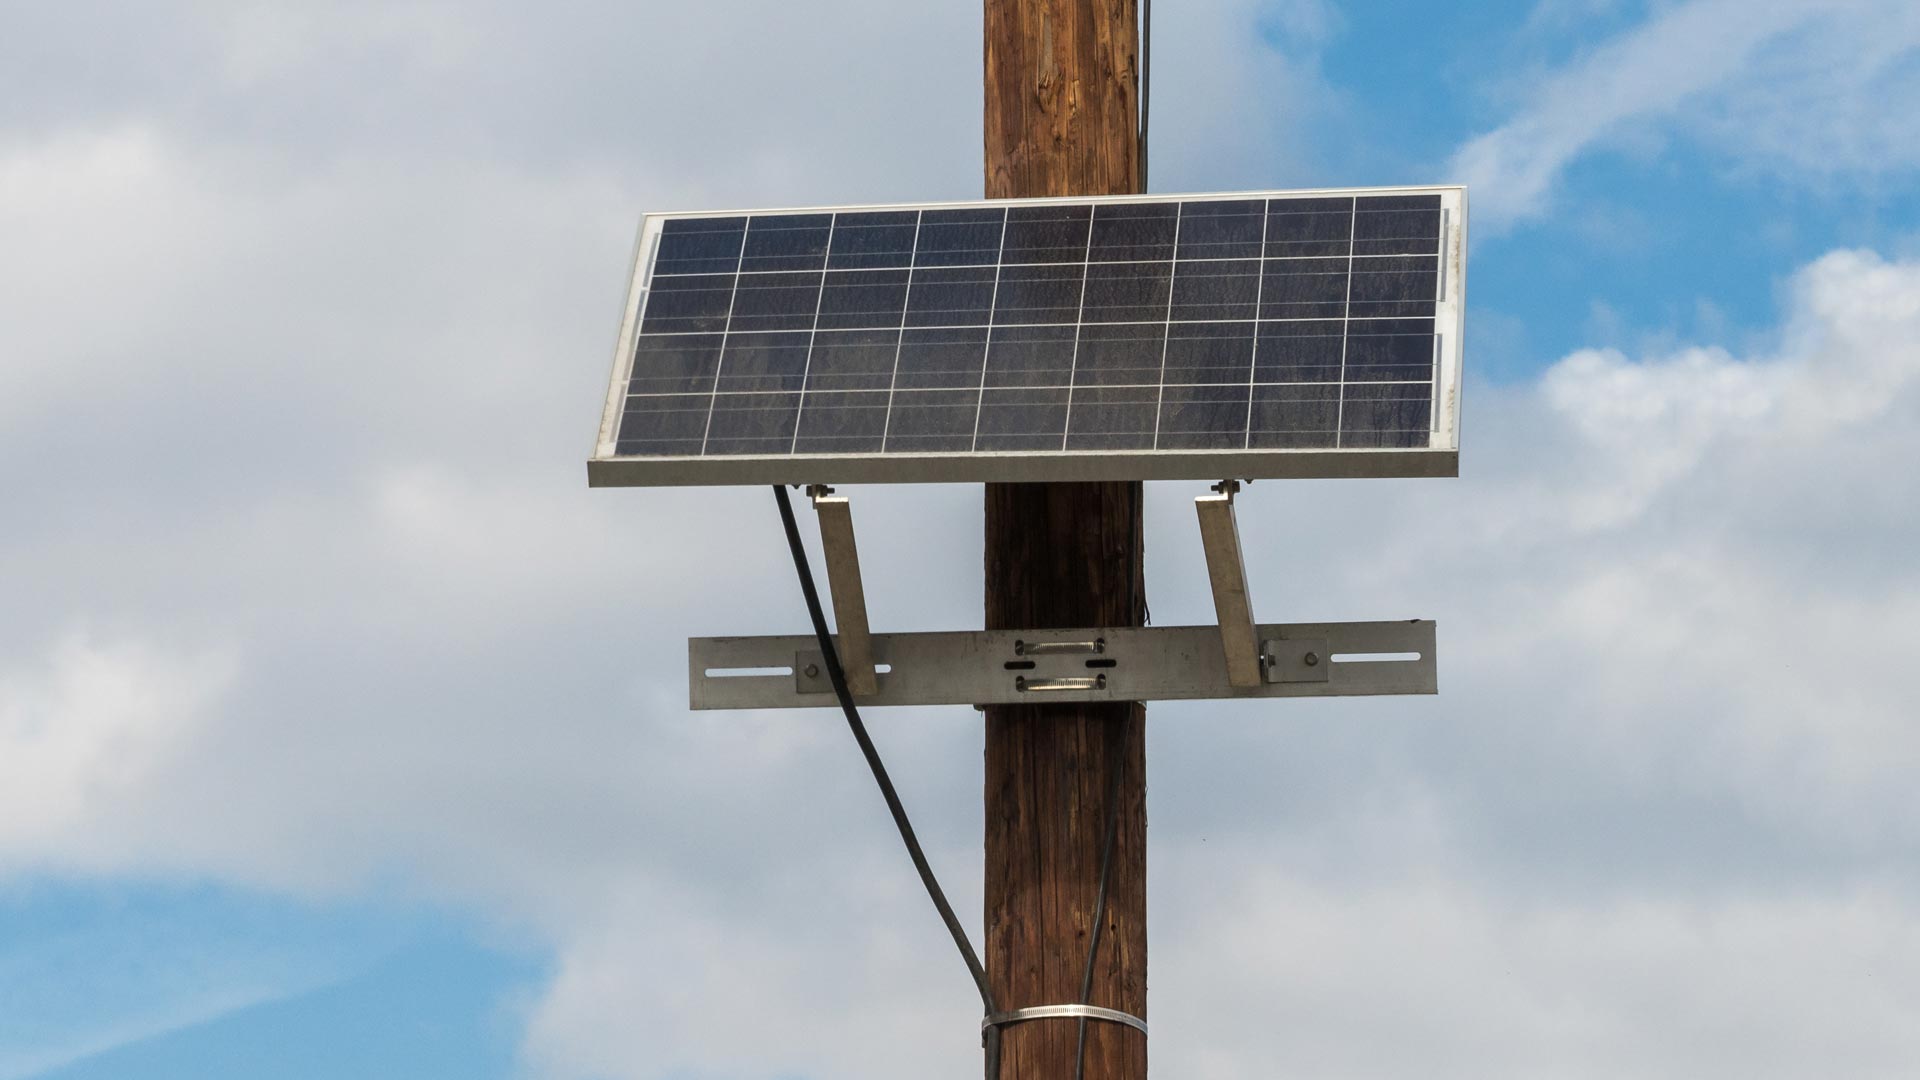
<point x="1055" y="1012"/>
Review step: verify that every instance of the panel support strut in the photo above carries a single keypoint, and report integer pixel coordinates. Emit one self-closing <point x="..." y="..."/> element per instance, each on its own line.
<point x="853" y="638"/>
<point x="1227" y="570"/>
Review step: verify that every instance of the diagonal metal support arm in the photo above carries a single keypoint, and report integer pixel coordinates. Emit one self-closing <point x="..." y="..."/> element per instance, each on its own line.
<point x="1220" y="538"/>
<point x="852" y="637"/>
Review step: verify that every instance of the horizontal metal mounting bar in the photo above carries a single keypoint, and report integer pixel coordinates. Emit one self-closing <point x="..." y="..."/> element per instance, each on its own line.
<point x="1007" y="667"/>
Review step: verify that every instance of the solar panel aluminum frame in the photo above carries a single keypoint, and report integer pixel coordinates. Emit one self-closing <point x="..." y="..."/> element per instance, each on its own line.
<point x="607" y="468"/>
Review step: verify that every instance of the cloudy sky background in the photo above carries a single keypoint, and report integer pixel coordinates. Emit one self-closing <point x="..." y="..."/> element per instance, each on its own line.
<point x="343" y="731"/>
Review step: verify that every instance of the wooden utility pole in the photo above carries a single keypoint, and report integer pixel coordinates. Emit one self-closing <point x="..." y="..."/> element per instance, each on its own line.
<point x="1061" y="119"/>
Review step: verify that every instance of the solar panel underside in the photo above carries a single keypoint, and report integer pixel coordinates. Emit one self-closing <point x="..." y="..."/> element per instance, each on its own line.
<point x="1279" y="334"/>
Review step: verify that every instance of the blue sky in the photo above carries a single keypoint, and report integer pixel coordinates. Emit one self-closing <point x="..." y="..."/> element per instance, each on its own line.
<point x="342" y="731"/>
<point x="196" y="981"/>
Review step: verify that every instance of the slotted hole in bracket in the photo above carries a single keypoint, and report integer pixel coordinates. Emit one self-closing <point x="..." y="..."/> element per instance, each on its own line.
<point x="745" y="672"/>
<point x="1104" y="662"/>
<point x="1019" y="665"/>
<point x="1373" y="657"/>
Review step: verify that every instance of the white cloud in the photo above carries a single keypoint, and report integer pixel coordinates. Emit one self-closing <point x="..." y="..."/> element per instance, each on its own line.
<point x="1435" y="978"/>
<point x="1212" y="63"/>
<point x="1730" y="527"/>
<point x="72" y="307"/>
<point x="87" y="725"/>
<point x="1799" y="87"/>
<point x="629" y="999"/>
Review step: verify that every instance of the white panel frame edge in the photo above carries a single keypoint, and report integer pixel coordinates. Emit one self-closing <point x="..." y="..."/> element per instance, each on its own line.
<point x="1440" y="458"/>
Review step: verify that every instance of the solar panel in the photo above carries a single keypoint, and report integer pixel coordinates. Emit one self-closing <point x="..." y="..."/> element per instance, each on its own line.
<point x="1248" y="335"/>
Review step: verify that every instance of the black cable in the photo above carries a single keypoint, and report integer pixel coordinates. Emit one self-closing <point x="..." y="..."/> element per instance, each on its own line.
<point x="838" y="678"/>
<point x="1146" y="82"/>
<point x="1116" y="759"/>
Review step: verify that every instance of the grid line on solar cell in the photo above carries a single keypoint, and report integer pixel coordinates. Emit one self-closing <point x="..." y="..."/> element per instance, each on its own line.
<point x="1100" y="322"/>
<point x="1056" y="386"/>
<point x="1073" y="360"/>
<point x="1346" y="329"/>
<point x="1047" y="352"/>
<point x="893" y="383"/>
<point x="733" y="290"/>
<point x="819" y="300"/>
<point x="1068" y="262"/>
<point x="1253" y="360"/>
<point x="1166" y="331"/>
<point x="986" y="348"/>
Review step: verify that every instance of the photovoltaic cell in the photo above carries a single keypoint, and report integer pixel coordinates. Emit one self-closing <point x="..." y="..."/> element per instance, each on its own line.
<point x="1226" y="323"/>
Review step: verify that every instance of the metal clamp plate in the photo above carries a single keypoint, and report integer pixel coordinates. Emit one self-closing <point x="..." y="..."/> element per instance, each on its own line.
<point x="1062" y="1012"/>
<point x="1296" y="660"/>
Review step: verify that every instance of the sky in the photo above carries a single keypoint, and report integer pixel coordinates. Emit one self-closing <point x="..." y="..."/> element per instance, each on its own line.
<point x="343" y="731"/>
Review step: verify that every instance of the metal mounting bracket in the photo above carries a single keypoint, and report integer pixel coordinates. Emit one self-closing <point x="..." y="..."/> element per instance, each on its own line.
<point x="1060" y="1012"/>
<point x="852" y="639"/>
<point x="1011" y="667"/>
<point x="1227" y="570"/>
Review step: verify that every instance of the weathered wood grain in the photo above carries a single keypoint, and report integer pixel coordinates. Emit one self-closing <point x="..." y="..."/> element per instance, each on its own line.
<point x="1061" y="80"/>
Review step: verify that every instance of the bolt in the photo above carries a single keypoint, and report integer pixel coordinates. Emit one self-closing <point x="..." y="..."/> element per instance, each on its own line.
<point x="1312" y="659"/>
<point x="813" y="671"/>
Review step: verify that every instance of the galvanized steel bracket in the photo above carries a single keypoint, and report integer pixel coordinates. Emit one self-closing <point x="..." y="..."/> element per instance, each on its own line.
<point x="853" y="641"/>
<point x="1011" y="667"/>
